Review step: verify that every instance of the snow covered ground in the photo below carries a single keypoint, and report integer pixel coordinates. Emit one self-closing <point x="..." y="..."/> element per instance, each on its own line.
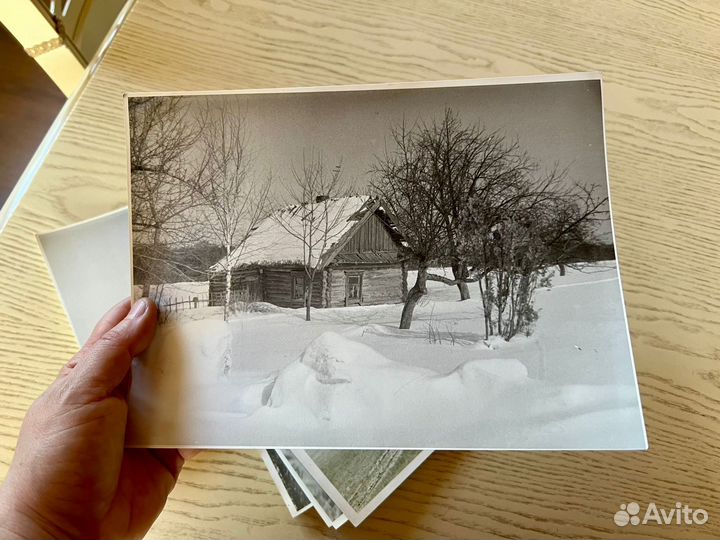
<point x="351" y="378"/>
<point x="169" y="292"/>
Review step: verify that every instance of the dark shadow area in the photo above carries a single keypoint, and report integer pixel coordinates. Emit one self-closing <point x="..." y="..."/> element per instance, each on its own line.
<point x="29" y="102"/>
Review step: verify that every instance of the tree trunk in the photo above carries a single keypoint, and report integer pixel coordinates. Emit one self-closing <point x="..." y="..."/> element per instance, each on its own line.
<point x="562" y="269"/>
<point x="418" y="291"/>
<point x="464" y="291"/>
<point x="460" y="272"/>
<point x="485" y="309"/>
<point x="488" y="305"/>
<point x="308" y="300"/>
<point x="228" y="284"/>
<point x="324" y="288"/>
<point x="500" y="297"/>
<point x="510" y="327"/>
<point x="404" y="287"/>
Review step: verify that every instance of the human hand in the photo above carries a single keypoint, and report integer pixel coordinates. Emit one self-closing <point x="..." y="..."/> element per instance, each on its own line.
<point x="71" y="476"/>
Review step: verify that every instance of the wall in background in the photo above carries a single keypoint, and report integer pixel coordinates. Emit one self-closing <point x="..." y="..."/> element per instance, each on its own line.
<point x="29" y="102"/>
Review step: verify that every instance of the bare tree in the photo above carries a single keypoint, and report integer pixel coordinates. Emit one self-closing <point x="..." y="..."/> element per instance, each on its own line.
<point x="475" y="199"/>
<point x="402" y="183"/>
<point x="512" y="234"/>
<point x="161" y="134"/>
<point x="463" y="160"/>
<point x="459" y="161"/>
<point x="232" y="203"/>
<point x="316" y="201"/>
<point x="576" y="212"/>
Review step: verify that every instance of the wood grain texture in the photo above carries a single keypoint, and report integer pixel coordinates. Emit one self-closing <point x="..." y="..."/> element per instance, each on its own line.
<point x="661" y="65"/>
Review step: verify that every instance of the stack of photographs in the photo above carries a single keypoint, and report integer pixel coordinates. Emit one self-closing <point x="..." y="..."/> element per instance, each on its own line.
<point x="351" y="277"/>
<point x="342" y="485"/>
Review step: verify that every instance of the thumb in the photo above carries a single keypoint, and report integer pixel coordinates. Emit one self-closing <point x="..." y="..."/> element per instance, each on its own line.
<point x="104" y="363"/>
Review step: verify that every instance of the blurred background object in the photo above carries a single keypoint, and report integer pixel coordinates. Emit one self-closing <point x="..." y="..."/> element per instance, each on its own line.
<point x="82" y="24"/>
<point x="45" y="46"/>
<point x="29" y="102"/>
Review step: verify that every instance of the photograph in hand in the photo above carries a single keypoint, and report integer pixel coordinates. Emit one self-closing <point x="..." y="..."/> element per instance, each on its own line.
<point x="425" y="265"/>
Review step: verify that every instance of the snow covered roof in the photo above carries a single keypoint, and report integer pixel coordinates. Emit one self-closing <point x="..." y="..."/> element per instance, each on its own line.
<point x="278" y="238"/>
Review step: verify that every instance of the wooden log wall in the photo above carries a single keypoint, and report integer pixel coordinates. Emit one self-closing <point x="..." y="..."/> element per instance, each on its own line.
<point x="217" y="283"/>
<point x="372" y="236"/>
<point x="277" y="287"/>
<point x="380" y="285"/>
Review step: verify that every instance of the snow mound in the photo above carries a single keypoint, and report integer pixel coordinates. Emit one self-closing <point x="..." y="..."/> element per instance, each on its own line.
<point x="313" y="383"/>
<point x="330" y="353"/>
<point x="340" y="381"/>
<point x="198" y="350"/>
<point x="176" y="377"/>
<point x="498" y="369"/>
<point x="263" y="307"/>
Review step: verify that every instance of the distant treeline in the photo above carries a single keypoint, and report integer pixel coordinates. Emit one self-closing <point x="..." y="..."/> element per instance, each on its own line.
<point x="192" y="263"/>
<point x="586" y="252"/>
<point x="590" y="253"/>
<point x="173" y="265"/>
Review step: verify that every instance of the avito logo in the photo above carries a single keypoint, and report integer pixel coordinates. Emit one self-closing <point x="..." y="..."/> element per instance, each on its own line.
<point x="680" y="514"/>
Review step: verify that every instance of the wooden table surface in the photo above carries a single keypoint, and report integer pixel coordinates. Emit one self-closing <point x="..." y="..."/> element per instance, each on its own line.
<point x="661" y="64"/>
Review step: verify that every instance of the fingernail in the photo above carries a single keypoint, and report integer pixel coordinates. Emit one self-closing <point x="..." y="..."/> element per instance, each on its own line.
<point x="139" y="308"/>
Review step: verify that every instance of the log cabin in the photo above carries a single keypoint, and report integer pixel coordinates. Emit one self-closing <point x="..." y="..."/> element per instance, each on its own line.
<point x="362" y="263"/>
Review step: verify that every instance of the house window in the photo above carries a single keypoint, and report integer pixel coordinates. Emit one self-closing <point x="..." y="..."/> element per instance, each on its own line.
<point x="353" y="289"/>
<point x="298" y="286"/>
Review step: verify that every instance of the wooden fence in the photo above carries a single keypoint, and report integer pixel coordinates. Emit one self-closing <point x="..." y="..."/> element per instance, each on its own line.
<point x="173" y="304"/>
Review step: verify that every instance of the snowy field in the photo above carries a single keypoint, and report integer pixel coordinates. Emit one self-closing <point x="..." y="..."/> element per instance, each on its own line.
<point x="351" y="378"/>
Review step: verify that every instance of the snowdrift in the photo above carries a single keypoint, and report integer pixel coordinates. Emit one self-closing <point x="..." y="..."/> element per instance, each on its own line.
<point x="344" y="382"/>
<point x="338" y="384"/>
<point x="350" y="378"/>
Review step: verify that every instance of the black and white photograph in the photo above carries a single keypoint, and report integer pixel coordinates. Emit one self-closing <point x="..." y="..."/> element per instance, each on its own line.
<point x="290" y="490"/>
<point x="328" y="511"/>
<point x="358" y="481"/>
<point x="425" y="265"/>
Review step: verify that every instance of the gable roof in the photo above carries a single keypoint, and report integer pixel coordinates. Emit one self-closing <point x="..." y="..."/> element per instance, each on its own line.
<point x="273" y="243"/>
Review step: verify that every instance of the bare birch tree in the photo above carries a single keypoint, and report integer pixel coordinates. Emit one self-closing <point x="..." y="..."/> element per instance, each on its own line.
<point x="161" y="133"/>
<point x="316" y="201"/>
<point x="232" y="202"/>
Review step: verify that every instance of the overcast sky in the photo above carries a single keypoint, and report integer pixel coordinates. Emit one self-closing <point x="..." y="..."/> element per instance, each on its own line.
<point x="557" y="122"/>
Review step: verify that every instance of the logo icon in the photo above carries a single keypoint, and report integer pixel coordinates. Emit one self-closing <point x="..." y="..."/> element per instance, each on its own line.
<point x="628" y="514"/>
